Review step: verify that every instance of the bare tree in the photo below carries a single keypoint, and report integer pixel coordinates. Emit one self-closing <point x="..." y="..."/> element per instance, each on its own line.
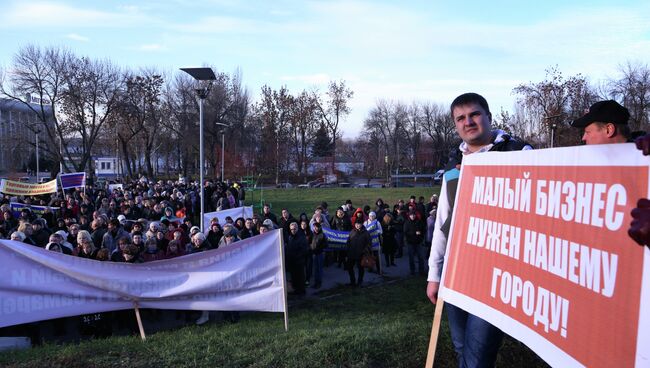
<point x="386" y="120"/>
<point x="304" y="121"/>
<point x="140" y="119"/>
<point x="88" y="101"/>
<point x="273" y="112"/>
<point x="437" y="124"/>
<point x="551" y="103"/>
<point x="632" y="89"/>
<point x="335" y="109"/>
<point x="40" y="73"/>
<point x="180" y="101"/>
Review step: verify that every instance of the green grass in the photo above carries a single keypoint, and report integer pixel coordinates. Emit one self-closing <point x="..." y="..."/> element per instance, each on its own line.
<point x="306" y="200"/>
<point x="381" y="326"/>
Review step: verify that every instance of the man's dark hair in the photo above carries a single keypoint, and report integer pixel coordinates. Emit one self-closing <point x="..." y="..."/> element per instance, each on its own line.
<point x="468" y="98"/>
<point x="115" y="222"/>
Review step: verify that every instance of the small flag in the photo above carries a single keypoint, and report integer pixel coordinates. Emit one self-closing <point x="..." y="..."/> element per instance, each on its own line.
<point x="73" y="180"/>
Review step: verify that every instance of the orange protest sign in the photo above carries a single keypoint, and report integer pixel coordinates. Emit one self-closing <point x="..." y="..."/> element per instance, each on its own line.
<point x="539" y="248"/>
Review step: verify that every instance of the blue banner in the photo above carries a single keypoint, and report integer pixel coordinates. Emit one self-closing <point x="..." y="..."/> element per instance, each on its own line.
<point x="336" y="240"/>
<point x="16" y="208"/>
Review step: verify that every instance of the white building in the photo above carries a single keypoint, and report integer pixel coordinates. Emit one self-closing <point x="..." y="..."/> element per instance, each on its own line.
<point x="106" y="167"/>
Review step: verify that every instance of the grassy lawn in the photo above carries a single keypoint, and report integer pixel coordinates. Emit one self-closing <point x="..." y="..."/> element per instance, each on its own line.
<point x="306" y="200"/>
<point x="380" y="326"/>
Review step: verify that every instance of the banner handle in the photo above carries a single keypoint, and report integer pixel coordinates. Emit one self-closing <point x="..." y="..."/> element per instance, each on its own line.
<point x="284" y="283"/>
<point x="137" y="316"/>
<point x="435" y="331"/>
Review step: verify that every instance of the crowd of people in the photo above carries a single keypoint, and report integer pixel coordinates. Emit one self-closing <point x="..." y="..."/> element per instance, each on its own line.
<point x="145" y="221"/>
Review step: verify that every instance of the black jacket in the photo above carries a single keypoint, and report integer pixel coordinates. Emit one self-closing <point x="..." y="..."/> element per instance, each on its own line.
<point x="318" y="243"/>
<point x="296" y="248"/>
<point x="341" y="224"/>
<point x="359" y="243"/>
<point x="410" y="230"/>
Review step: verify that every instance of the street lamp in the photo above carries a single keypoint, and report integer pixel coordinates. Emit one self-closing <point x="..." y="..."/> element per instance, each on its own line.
<point x="223" y="145"/>
<point x="552" y="122"/>
<point x="38" y="168"/>
<point x="204" y="77"/>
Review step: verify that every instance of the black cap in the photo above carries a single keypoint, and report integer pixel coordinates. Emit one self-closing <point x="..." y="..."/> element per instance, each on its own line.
<point x="608" y="111"/>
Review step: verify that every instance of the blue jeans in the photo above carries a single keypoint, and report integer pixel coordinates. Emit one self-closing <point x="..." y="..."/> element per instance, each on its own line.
<point x="318" y="268"/>
<point x="476" y="341"/>
<point x="413" y="251"/>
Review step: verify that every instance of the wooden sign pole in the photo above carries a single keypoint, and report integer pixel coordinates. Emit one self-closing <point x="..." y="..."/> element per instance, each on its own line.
<point x="137" y="316"/>
<point x="435" y="330"/>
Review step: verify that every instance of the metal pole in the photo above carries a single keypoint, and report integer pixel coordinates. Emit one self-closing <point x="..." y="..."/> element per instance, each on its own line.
<point x="201" y="163"/>
<point x="61" y="155"/>
<point x="223" y="146"/>
<point x="552" y="134"/>
<point x="38" y="169"/>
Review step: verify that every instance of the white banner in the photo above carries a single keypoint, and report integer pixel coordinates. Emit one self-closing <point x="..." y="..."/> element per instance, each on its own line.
<point x="234" y="213"/>
<point x="36" y="284"/>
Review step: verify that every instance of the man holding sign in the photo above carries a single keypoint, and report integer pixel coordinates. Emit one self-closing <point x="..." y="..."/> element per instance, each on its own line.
<point x="476" y="341"/>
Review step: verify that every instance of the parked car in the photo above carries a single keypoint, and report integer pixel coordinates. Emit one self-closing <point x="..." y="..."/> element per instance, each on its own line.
<point x="284" y="185"/>
<point x="437" y="177"/>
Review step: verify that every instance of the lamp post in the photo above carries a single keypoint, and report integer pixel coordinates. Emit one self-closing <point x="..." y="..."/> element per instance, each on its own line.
<point x="223" y="147"/>
<point x="38" y="168"/>
<point x="204" y="77"/>
<point x="552" y="122"/>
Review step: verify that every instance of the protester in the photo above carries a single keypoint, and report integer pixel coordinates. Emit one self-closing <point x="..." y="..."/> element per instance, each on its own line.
<point x="359" y="243"/>
<point x="606" y="122"/>
<point x="151" y="252"/>
<point x="267" y="214"/>
<point x="389" y="243"/>
<point x="414" y="233"/>
<point x="86" y="248"/>
<point x="317" y="245"/>
<point x="115" y="232"/>
<point x="174" y="249"/>
<point x="476" y="341"/>
<point x="295" y="250"/>
<point x="341" y="222"/>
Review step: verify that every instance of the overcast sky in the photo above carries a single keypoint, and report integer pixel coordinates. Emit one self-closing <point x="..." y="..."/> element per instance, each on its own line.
<point x="406" y="50"/>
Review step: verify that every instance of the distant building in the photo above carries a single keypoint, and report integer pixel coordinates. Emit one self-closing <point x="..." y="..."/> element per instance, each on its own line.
<point x="346" y="165"/>
<point x="106" y="167"/>
<point x="18" y="124"/>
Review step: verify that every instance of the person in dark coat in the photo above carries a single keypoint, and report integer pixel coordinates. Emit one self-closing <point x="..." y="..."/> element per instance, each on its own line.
<point x="389" y="245"/>
<point x="414" y="232"/>
<point x="285" y="219"/>
<point x="40" y="235"/>
<point x="267" y="214"/>
<point x="295" y="251"/>
<point x="359" y="244"/>
<point x="248" y="230"/>
<point x="341" y="222"/>
<point x="215" y="233"/>
<point x="317" y="246"/>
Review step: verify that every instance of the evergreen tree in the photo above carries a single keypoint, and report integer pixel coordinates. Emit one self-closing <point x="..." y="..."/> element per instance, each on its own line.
<point x="322" y="146"/>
